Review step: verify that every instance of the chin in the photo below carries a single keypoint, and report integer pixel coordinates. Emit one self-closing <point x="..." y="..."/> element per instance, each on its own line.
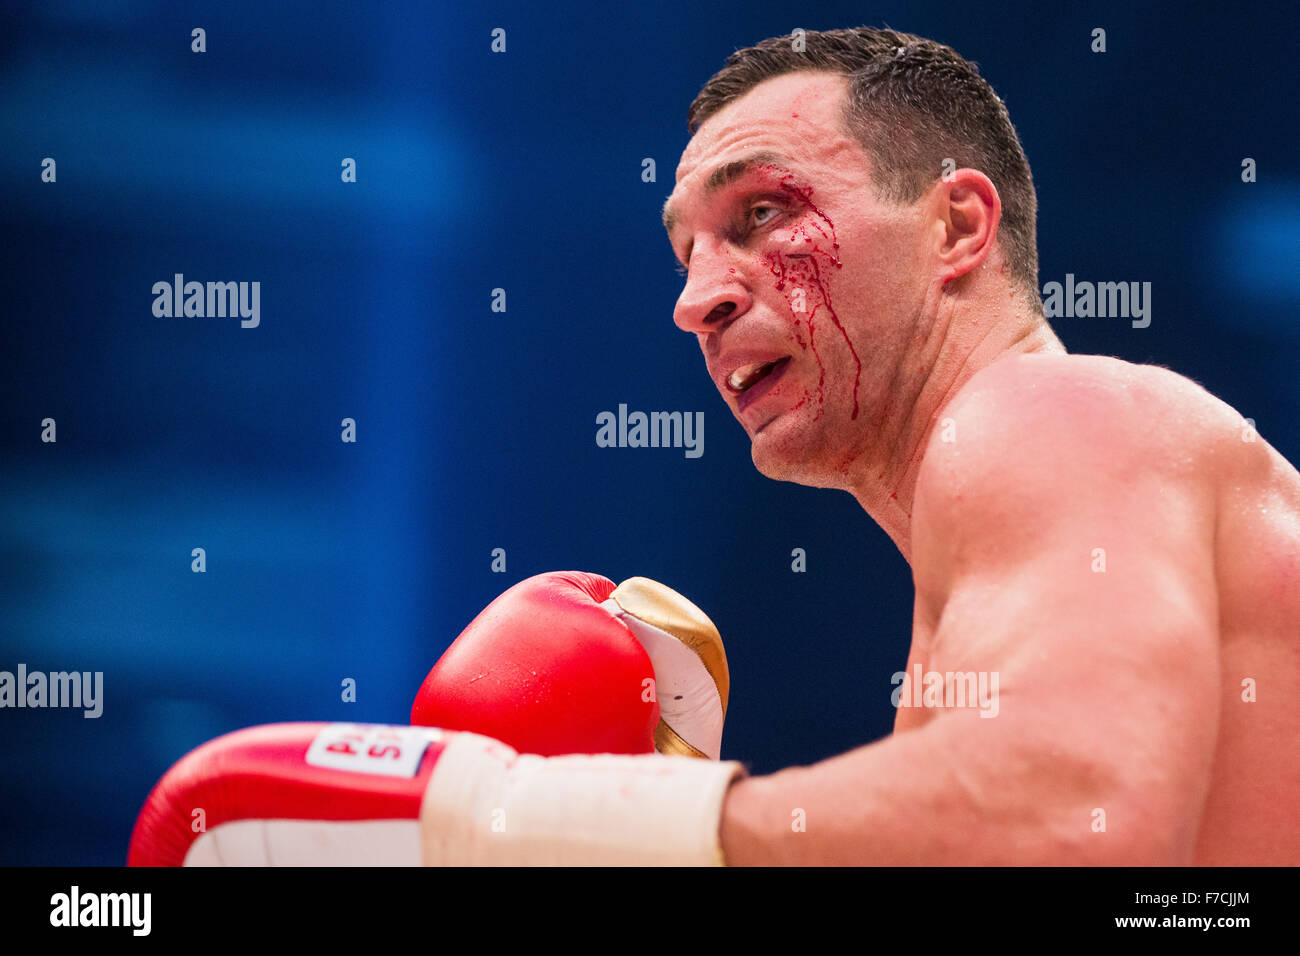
<point x="785" y="454"/>
<point x="792" y="448"/>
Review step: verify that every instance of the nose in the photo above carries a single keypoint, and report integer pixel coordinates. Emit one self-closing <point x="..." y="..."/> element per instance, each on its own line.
<point x="714" y="295"/>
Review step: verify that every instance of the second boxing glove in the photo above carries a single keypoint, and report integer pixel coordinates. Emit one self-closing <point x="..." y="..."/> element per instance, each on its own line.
<point x="312" y="794"/>
<point x="568" y="663"/>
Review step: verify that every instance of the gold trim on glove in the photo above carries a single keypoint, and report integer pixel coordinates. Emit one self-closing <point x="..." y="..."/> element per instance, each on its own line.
<point x="662" y="607"/>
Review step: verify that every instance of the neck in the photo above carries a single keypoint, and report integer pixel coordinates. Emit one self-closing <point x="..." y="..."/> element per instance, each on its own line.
<point x="963" y="340"/>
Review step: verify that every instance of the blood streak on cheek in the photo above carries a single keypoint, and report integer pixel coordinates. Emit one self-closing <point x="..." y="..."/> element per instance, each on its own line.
<point x="806" y="271"/>
<point x="790" y="272"/>
<point x="776" y="263"/>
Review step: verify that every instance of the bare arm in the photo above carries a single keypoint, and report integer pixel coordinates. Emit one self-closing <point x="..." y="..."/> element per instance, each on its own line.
<point x="1107" y="711"/>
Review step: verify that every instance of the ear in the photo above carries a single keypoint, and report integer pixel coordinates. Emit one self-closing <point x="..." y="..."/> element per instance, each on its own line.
<point x="969" y="209"/>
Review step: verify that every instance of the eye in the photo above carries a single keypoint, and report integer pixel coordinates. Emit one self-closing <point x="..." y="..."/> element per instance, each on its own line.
<point x="762" y="220"/>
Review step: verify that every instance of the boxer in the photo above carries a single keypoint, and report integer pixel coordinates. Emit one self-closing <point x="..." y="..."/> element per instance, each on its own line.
<point x="856" y="225"/>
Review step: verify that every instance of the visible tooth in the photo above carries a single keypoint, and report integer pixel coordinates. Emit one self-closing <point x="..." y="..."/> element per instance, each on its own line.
<point x="741" y="376"/>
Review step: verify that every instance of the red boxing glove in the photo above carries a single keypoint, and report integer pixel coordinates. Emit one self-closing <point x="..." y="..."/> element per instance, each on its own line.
<point x="291" y="795"/>
<point x="314" y="794"/>
<point x="567" y="663"/>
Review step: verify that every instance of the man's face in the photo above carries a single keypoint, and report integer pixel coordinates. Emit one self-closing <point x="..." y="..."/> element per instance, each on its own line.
<point x="803" y="289"/>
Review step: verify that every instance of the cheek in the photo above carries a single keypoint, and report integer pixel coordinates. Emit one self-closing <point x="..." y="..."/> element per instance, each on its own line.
<point x="805" y="270"/>
<point x="803" y="262"/>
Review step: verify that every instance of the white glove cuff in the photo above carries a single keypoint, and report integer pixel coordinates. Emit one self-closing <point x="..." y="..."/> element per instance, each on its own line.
<point x="486" y="805"/>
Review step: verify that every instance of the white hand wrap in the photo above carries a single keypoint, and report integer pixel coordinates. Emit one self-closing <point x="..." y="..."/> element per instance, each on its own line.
<point x="485" y="805"/>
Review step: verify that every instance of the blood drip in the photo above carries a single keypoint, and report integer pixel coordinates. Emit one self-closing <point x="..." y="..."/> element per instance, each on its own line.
<point x="807" y="267"/>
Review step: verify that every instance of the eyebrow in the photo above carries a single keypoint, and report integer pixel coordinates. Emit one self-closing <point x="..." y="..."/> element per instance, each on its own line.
<point x="724" y="176"/>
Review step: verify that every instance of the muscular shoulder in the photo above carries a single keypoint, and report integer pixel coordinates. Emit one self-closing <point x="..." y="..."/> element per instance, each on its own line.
<point x="1036" y="443"/>
<point x="1059" y="410"/>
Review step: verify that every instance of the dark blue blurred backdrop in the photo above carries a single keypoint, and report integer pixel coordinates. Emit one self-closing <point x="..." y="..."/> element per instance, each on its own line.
<point x="476" y="429"/>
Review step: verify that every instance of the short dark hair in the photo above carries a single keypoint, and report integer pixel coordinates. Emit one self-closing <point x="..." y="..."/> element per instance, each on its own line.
<point x="912" y="104"/>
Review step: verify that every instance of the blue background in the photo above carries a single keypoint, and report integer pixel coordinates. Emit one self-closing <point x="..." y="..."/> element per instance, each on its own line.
<point x="476" y="429"/>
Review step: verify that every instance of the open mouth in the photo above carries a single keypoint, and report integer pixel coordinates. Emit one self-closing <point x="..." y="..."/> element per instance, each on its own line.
<point x="750" y="382"/>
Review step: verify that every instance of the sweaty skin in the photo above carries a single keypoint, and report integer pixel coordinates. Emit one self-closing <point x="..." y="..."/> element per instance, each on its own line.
<point x="1116" y="544"/>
